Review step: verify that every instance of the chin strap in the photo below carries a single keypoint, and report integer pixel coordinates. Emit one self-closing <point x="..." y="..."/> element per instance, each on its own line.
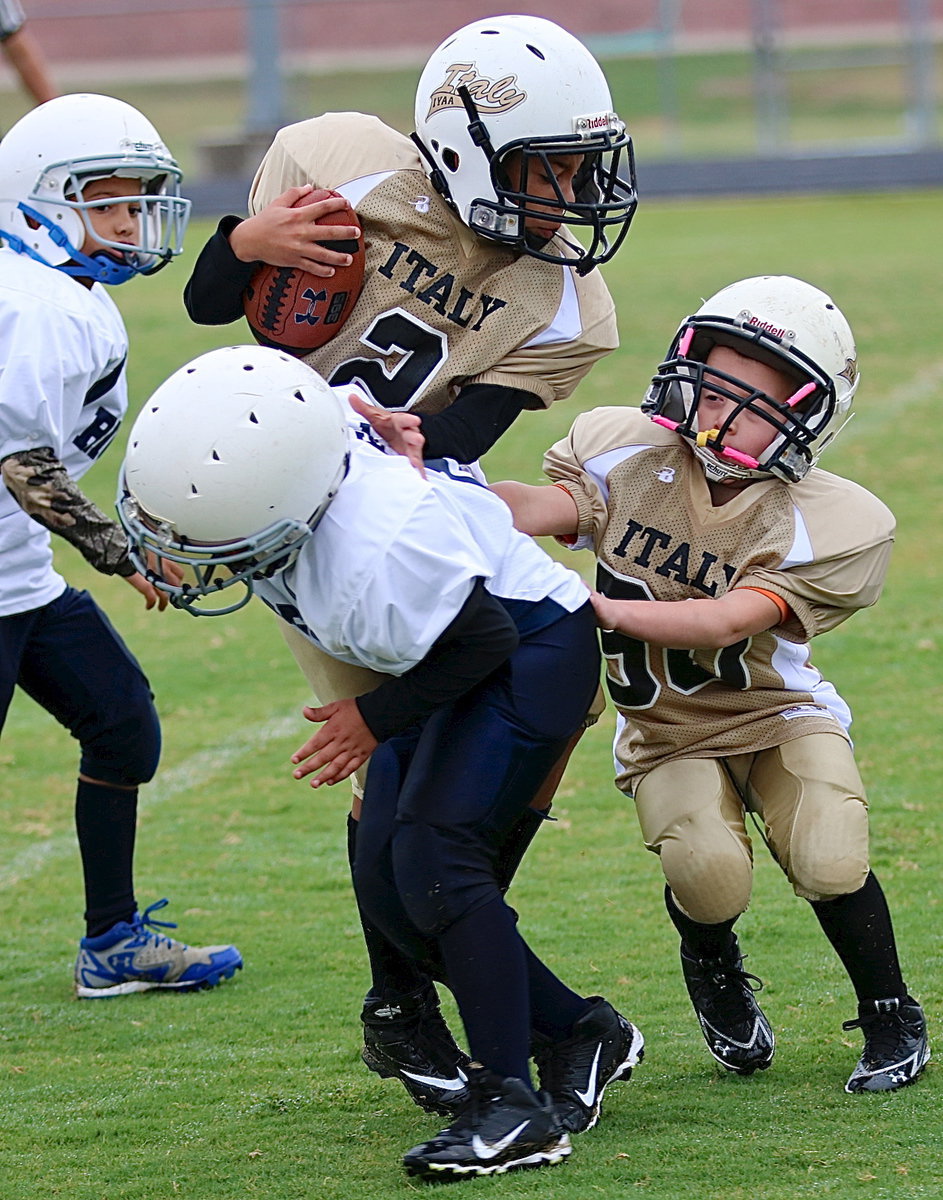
<point x="100" y="267"/>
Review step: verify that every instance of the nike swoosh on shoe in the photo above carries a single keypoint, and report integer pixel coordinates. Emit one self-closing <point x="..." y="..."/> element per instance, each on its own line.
<point x="589" y="1096"/>
<point x="487" y="1150"/>
<point x="436" y="1081"/>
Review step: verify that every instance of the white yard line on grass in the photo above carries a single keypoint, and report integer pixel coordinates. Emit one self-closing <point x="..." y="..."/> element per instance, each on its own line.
<point x="195" y="770"/>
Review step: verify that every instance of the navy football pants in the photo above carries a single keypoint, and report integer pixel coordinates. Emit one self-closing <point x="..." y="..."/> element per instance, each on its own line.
<point x="439" y="801"/>
<point x="69" y="658"/>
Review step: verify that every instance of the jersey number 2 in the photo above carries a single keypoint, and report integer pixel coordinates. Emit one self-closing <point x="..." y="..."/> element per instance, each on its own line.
<point x="419" y="352"/>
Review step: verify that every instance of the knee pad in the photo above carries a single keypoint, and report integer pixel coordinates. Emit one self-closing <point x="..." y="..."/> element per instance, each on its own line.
<point x="828" y="857"/>
<point x="440" y="875"/>
<point x="710" y="872"/>
<point x="124" y="746"/>
<point x="826" y="877"/>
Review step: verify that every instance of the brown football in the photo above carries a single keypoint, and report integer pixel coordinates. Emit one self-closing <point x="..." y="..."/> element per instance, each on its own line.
<point x="296" y="311"/>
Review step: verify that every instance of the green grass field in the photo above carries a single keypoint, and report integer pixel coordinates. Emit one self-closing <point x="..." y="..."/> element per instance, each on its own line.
<point x="256" y="1089"/>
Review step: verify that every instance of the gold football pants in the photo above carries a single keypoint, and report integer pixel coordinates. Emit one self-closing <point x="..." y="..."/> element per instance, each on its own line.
<point x="809" y="797"/>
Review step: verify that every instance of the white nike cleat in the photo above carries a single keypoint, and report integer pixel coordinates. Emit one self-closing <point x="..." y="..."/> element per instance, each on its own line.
<point x="603" y="1048"/>
<point x="503" y="1127"/>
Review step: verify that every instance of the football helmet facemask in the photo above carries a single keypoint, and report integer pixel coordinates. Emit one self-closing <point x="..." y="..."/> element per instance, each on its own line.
<point x="787" y="324"/>
<point x="230" y="465"/>
<point x="497" y="104"/>
<point x="52" y="153"/>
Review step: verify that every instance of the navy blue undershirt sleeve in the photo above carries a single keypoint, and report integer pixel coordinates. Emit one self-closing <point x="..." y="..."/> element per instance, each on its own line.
<point x="471" y="425"/>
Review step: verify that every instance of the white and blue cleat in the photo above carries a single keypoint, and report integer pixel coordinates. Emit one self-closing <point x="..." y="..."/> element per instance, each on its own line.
<point x="134" y="957"/>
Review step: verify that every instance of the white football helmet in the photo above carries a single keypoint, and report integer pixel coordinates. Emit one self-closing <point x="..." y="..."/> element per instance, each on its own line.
<point x="231" y="463"/>
<point x="522" y="84"/>
<point x="782" y="322"/>
<point x="53" y="152"/>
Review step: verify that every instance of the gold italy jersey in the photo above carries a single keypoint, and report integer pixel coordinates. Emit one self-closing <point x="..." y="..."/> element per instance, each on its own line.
<point x="821" y="544"/>
<point x="440" y="307"/>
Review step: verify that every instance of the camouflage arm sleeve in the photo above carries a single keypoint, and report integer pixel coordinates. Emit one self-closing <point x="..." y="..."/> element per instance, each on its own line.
<point x="41" y="486"/>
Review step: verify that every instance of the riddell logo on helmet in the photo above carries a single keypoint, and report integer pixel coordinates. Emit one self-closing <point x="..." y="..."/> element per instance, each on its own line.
<point x="489" y="95"/>
<point x="141" y="147"/>
<point x="769" y="327"/>
<point x="592" y="124"/>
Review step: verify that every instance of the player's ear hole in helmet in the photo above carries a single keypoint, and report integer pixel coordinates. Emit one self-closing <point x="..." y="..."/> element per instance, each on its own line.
<point x="786" y="324"/>
<point x="230" y="466"/>
<point x="47" y="160"/>
<point x="521" y="89"/>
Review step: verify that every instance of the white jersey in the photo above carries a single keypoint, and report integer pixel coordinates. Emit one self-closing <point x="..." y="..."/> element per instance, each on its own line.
<point x="396" y="556"/>
<point x="62" y="384"/>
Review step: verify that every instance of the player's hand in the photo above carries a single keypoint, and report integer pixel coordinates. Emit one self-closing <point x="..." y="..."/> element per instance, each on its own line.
<point x="341" y="745"/>
<point x="286" y="236"/>
<point x="152" y="596"/>
<point x="166" y="569"/>
<point x="606" y="610"/>
<point x="402" y="431"/>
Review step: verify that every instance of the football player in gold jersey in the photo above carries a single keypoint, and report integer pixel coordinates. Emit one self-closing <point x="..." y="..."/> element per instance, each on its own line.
<point x="722" y="549"/>
<point x="481" y="299"/>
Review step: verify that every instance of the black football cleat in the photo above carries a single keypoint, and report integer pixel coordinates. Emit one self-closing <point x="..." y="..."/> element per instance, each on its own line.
<point x="408" y="1039"/>
<point x="502" y="1127"/>
<point x="734" y="1026"/>
<point x="895" y="1045"/>
<point x="603" y="1048"/>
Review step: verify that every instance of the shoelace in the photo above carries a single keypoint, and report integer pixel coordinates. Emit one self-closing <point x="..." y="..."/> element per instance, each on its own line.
<point x="720" y="974"/>
<point x="148" y="925"/>
<point x="883" y="1033"/>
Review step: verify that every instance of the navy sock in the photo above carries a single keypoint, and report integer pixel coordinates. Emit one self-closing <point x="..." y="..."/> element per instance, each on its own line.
<point x="486" y="966"/>
<point x="106" y="820"/>
<point x="554" y="1008"/>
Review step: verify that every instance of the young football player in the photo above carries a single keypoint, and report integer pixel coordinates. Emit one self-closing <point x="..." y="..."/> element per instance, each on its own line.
<point x="248" y="470"/>
<point x="722" y="550"/>
<point x="479" y="302"/>
<point x="89" y="194"/>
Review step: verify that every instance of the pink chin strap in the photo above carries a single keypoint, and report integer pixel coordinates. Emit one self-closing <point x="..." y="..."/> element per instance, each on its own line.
<point x="799" y="396"/>
<point x="745" y="460"/>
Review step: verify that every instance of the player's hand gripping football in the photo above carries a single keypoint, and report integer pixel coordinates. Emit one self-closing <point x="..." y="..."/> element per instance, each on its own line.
<point x="287" y="234"/>
<point x="341" y="745"/>
<point x="402" y="431"/>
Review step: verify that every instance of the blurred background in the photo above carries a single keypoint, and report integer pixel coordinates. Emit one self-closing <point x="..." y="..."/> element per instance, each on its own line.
<point x="722" y="96"/>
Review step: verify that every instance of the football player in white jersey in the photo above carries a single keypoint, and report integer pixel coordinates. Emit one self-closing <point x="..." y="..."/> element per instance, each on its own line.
<point x="479" y="302"/>
<point x="89" y="195"/>
<point x="722" y="549"/>
<point x="249" y="471"/>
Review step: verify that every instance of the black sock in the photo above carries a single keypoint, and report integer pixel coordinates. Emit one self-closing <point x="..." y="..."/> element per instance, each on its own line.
<point x="515" y="844"/>
<point x="394" y="975"/>
<point x="859" y="927"/>
<point x="699" y="940"/>
<point x="105" y="820"/>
